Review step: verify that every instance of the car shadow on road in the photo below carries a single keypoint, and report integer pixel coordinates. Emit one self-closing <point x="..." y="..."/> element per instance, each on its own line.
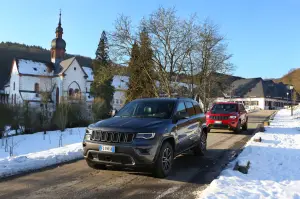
<point x="187" y="166"/>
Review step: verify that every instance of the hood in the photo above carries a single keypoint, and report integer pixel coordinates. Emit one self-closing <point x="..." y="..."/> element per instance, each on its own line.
<point x="129" y="123"/>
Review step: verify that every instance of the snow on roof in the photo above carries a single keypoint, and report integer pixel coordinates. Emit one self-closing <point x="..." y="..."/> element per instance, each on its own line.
<point x="89" y="72"/>
<point x="33" y="67"/>
<point x="120" y="82"/>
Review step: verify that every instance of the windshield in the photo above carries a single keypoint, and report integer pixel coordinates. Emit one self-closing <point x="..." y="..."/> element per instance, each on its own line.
<point x="146" y="109"/>
<point x="224" y="108"/>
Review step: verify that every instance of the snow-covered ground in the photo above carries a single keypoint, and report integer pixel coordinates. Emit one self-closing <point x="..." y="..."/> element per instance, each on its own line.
<point x="274" y="164"/>
<point x="34" y="151"/>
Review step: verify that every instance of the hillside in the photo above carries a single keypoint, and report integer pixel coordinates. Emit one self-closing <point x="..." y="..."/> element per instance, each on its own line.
<point x="293" y="77"/>
<point x="10" y="50"/>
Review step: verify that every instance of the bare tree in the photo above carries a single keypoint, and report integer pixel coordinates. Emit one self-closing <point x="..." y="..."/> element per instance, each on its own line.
<point x="184" y="50"/>
<point x="45" y="96"/>
<point x="211" y="61"/>
<point x="171" y="42"/>
<point x="61" y="118"/>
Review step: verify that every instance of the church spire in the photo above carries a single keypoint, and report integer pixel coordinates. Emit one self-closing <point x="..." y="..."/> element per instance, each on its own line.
<point x="59" y="23"/>
<point x="59" y="29"/>
<point x="58" y="45"/>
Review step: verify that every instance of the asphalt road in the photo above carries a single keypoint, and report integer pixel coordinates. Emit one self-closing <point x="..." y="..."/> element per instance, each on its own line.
<point x="190" y="174"/>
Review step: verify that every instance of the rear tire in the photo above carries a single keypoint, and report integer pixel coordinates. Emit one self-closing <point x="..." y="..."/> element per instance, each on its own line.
<point x="200" y="149"/>
<point x="95" y="165"/>
<point x="238" y="127"/>
<point x="164" y="161"/>
<point x="245" y="126"/>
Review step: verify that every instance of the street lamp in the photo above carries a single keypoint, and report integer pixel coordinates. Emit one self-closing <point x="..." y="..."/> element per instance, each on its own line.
<point x="290" y="87"/>
<point x="287" y="99"/>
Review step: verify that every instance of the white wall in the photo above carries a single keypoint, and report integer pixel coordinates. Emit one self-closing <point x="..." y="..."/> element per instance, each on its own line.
<point x="27" y="83"/>
<point x="14" y="80"/>
<point x="119" y="99"/>
<point x="74" y="75"/>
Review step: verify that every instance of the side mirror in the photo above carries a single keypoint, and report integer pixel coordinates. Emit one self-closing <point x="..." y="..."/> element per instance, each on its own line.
<point x="114" y="112"/>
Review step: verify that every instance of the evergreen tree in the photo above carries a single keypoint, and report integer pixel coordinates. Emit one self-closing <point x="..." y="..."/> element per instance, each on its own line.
<point x="141" y="82"/>
<point x="147" y="66"/>
<point x="102" y="87"/>
<point x="102" y="50"/>
<point x="134" y="88"/>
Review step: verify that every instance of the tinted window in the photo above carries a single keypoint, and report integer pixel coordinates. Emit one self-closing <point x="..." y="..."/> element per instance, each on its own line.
<point x="197" y="108"/>
<point x="145" y="108"/>
<point x="180" y="108"/>
<point x="224" y="108"/>
<point x="190" y="108"/>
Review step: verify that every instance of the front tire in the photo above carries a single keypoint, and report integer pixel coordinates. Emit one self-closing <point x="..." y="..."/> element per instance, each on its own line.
<point x="95" y="165"/>
<point x="200" y="149"/>
<point x="164" y="162"/>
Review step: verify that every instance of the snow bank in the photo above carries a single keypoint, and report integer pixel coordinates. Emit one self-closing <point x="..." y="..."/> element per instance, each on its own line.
<point x="274" y="171"/>
<point x="33" y="152"/>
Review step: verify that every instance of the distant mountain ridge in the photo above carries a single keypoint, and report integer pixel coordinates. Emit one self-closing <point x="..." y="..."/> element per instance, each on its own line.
<point x="9" y="50"/>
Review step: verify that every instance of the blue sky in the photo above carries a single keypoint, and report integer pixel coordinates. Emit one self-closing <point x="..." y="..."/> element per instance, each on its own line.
<point x="263" y="36"/>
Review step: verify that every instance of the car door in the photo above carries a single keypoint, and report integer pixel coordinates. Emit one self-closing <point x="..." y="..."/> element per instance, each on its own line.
<point x="181" y="127"/>
<point x="192" y="124"/>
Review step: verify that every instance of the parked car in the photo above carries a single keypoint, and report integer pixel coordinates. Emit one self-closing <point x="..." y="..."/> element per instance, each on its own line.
<point x="227" y="115"/>
<point x="147" y="133"/>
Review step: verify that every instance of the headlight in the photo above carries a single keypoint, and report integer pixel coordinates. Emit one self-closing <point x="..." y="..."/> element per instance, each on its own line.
<point x="88" y="134"/>
<point x="232" y="117"/>
<point x="146" y="136"/>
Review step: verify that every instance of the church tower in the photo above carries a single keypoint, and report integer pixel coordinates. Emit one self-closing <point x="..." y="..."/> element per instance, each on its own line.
<point x="58" y="46"/>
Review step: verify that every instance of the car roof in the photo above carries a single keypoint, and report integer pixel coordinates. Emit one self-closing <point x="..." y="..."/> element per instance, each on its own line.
<point x="228" y="103"/>
<point x="166" y="99"/>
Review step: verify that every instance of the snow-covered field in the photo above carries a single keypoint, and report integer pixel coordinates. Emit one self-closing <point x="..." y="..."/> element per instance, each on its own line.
<point x="34" y="151"/>
<point x="275" y="164"/>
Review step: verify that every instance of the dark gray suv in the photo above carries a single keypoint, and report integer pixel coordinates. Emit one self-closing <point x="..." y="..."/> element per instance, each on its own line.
<point x="147" y="132"/>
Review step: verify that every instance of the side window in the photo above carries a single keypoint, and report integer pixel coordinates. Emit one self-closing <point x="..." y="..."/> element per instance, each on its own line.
<point x="242" y="108"/>
<point x="197" y="108"/>
<point x="190" y="108"/>
<point x="181" y="109"/>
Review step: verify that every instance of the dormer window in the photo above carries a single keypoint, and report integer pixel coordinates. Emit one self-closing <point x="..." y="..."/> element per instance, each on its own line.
<point x="35" y="69"/>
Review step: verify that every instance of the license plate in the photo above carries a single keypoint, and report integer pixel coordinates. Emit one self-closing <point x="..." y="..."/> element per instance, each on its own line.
<point x="107" y="148"/>
<point x="218" y="122"/>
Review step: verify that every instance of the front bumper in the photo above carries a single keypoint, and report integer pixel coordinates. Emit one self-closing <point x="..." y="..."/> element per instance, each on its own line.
<point x="131" y="154"/>
<point x="225" y="124"/>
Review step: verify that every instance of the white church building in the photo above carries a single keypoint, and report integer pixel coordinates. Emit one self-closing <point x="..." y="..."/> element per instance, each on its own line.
<point x="65" y="79"/>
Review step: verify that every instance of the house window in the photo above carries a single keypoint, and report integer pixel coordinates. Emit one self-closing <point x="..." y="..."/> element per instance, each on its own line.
<point x="117" y="101"/>
<point x="15" y="99"/>
<point x="74" y="68"/>
<point x="121" y="101"/>
<point x="36" y="87"/>
<point x="71" y="92"/>
<point x="14" y="85"/>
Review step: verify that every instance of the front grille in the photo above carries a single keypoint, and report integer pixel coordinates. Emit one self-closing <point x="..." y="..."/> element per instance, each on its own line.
<point x="219" y="117"/>
<point x="108" y="136"/>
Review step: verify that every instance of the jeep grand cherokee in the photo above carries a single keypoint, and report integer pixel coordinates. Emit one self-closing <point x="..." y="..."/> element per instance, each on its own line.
<point x="147" y="132"/>
<point x="227" y="115"/>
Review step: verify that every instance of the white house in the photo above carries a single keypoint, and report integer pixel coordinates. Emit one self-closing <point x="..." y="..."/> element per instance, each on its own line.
<point x="64" y="79"/>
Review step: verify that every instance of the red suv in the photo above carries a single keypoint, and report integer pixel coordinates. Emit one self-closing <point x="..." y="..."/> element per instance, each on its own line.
<point x="227" y="115"/>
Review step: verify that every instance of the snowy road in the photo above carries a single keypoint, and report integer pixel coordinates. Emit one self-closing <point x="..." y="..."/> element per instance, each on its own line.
<point x="77" y="180"/>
